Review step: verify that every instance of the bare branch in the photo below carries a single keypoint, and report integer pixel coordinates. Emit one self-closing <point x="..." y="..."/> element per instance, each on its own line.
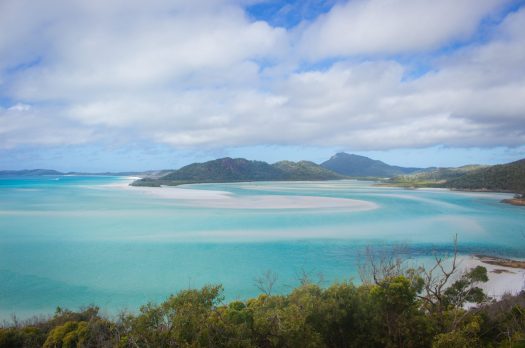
<point x="266" y="282"/>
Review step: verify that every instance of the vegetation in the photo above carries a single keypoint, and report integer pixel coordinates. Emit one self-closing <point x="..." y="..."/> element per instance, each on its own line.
<point x="387" y="314"/>
<point x="239" y="169"/>
<point x="438" y="175"/>
<point x="434" y="177"/>
<point x="361" y="166"/>
<point x="508" y="177"/>
<point x="505" y="177"/>
<point x="394" y="307"/>
<point x="306" y="170"/>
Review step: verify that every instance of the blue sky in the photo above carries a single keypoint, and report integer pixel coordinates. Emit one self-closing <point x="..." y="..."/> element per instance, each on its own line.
<point x="119" y="85"/>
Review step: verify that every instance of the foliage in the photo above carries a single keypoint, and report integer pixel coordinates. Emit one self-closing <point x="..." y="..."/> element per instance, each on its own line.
<point x="239" y="169"/>
<point x="464" y="289"/>
<point x="306" y="170"/>
<point x="433" y="177"/>
<point x="505" y="177"/>
<point x="468" y="336"/>
<point x="391" y="311"/>
<point x="508" y="177"/>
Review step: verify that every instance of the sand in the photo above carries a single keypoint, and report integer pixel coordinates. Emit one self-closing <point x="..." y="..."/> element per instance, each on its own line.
<point x="228" y="200"/>
<point x="502" y="279"/>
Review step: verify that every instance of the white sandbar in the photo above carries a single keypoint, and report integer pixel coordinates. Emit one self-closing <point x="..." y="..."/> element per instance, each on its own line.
<point x="223" y="199"/>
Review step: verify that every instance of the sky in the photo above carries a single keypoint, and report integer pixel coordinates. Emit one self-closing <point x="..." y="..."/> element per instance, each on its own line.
<point x="122" y="85"/>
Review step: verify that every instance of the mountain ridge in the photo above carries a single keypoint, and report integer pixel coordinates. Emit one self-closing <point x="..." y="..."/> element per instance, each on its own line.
<point x="229" y="169"/>
<point x="360" y="166"/>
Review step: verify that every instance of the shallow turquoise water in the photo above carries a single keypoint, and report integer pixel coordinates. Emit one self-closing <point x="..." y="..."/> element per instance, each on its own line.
<point x="73" y="241"/>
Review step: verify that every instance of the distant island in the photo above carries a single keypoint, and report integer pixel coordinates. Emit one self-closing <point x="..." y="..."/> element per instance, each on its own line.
<point x="340" y="166"/>
<point x="501" y="178"/>
<point x="508" y="177"/>
<point x="238" y="170"/>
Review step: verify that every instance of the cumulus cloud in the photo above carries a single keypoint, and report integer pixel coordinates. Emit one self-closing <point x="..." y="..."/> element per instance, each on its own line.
<point x="205" y="74"/>
<point x="90" y="52"/>
<point x="393" y="26"/>
<point x="22" y="125"/>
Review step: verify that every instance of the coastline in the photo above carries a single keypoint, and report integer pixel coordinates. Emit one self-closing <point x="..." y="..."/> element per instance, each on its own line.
<point x="514" y="201"/>
<point x="506" y="276"/>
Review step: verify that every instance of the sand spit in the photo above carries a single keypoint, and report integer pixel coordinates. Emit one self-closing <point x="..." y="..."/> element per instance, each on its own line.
<point x="223" y="199"/>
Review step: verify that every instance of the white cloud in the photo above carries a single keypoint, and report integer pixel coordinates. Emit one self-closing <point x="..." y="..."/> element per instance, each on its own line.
<point x="89" y="53"/>
<point x="19" y="107"/>
<point x="204" y="75"/>
<point x="393" y="26"/>
<point x="23" y="125"/>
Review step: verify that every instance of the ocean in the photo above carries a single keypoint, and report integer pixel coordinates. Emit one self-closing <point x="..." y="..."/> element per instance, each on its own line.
<point x="72" y="241"/>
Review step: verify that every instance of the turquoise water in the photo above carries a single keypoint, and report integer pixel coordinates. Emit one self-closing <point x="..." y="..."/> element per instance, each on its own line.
<point x="71" y="241"/>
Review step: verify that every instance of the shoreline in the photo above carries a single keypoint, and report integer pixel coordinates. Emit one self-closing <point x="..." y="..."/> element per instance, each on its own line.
<point x="514" y="201"/>
<point x="506" y="276"/>
<point x="377" y="183"/>
<point x="438" y="186"/>
<point x="500" y="261"/>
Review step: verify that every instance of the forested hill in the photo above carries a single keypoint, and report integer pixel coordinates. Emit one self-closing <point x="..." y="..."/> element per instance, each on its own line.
<point x="437" y="175"/>
<point x="306" y="170"/>
<point x="508" y="177"/>
<point x="504" y="177"/>
<point x="226" y="170"/>
<point x="240" y="169"/>
<point x="361" y="166"/>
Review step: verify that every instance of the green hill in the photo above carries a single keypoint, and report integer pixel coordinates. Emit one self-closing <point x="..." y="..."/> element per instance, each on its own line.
<point x="220" y="170"/>
<point x="508" y="177"/>
<point x="226" y="169"/>
<point x="361" y="166"/>
<point x="306" y="170"/>
<point x="503" y="177"/>
<point x="240" y="169"/>
<point x="435" y="175"/>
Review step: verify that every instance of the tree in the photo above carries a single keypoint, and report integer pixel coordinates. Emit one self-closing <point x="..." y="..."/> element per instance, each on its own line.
<point x="266" y="282"/>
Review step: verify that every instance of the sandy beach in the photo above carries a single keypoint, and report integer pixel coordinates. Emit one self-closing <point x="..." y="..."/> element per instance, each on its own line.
<point x="502" y="279"/>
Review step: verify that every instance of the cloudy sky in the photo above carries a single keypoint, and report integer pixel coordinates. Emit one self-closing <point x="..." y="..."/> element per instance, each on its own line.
<point x="132" y="85"/>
